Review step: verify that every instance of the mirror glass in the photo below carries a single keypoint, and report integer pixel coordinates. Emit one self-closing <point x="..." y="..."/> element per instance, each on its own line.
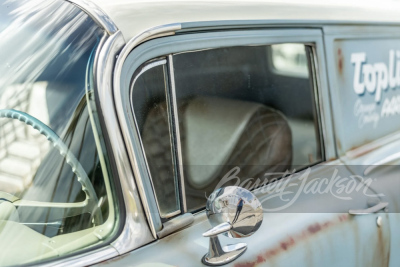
<point x="237" y="206"/>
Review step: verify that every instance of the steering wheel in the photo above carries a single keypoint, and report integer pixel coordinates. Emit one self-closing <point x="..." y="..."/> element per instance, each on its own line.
<point x="90" y="204"/>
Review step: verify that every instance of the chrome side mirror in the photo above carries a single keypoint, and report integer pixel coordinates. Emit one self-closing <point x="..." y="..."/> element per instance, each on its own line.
<point x="236" y="213"/>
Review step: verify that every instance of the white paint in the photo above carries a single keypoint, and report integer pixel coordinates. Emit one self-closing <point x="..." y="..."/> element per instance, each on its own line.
<point x="391" y="106"/>
<point x="375" y="77"/>
<point x="366" y="114"/>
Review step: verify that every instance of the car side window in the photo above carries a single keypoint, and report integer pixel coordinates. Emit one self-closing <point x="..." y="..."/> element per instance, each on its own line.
<point x="150" y="105"/>
<point x="237" y="116"/>
<point x="56" y="190"/>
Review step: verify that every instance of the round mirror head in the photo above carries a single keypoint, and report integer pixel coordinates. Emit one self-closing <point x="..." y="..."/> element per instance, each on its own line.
<point x="237" y="206"/>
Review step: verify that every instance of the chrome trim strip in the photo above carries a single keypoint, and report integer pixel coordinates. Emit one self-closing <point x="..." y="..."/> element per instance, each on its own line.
<point x="164" y="30"/>
<point x="146" y="184"/>
<point x="176" y="224"/>
<point x="315" y="79"/>
<point x="128" y="133"/>
<point x="171" y="125"/>
<point x="171" y="214"/>
<point x="136" y="232"/>
<point x="177" y="131"/>
<point x="97" y="14"/>
<point x="147" y="67"/>
<point x="374" y="209"/>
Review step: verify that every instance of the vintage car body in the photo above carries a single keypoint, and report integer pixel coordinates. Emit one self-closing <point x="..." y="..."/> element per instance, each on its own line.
<point x="343" y="41"/>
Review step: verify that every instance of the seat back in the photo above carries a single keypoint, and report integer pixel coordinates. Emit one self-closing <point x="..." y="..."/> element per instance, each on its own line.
<point x="218" y="134"/>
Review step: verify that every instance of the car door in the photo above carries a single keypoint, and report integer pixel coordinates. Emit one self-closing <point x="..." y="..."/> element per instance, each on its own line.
<point x="367" y="86"/>
<point x="248" y="108"/>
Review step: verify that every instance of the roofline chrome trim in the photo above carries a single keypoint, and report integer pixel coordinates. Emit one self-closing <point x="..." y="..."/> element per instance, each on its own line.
<point x="159" y="31"/>
<point x="97" y="14"/>
<point x="163" y="30"/>
<point x="136" y="232"/>
<point x="191" y="26"/>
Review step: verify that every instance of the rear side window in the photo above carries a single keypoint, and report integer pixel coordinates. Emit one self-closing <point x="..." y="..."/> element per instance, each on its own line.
<point x="233" y="112"/>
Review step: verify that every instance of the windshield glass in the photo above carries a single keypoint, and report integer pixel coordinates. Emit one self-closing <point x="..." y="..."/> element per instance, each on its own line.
<point x="55" y="195"/>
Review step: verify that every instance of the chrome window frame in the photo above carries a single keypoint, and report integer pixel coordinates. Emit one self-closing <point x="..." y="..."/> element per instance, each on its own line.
<point x="131" y="158"/>
<point x="135" y="231"/>
<point x="97" y="14"/>
<point x="135" y="221"/>
<point x="177" y="133"/>
<point x="317" y="101"/>
<point x="273" y="37"/>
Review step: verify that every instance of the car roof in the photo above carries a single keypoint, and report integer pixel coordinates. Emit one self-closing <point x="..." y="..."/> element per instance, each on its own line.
<point x="135" y="16"/>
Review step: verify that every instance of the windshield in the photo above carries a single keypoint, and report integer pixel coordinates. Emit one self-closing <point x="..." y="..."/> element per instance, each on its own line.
<point x="55" y="195"/>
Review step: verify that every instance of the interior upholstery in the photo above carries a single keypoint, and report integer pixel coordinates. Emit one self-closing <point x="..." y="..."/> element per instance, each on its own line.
<point x="217" y="134"/>
<point x="21" y="147"/>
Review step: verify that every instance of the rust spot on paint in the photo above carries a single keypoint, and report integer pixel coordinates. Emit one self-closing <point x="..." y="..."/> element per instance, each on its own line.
<point x="339" y="144"/>
<point x="314" y="228"/>
<point x="343" y="217"/>
<point x="360" y="150"/>
<point x="260" y="259"/>
<point x="271" y="253"/>
<point x="340" y="61"/>
<point x="291" y="241"/>
<point x="246" y="264"/>
<point x="287" y="243"/>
